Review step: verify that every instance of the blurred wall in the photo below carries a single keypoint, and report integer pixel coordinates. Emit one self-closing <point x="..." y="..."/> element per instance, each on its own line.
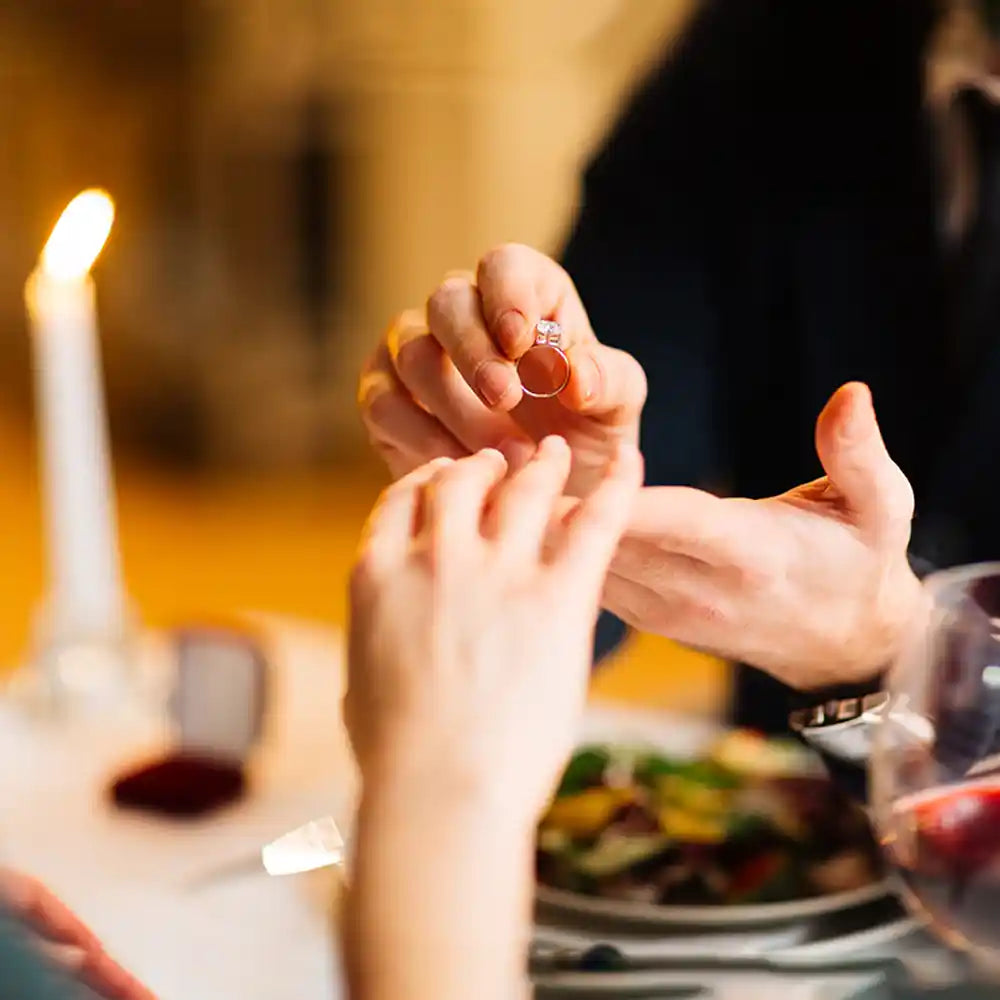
<point x="96" y="94"/>
<point x="289" y="174"/>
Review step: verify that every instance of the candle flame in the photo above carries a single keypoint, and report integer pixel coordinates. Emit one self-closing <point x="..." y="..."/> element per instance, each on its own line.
<point x="79" y="236"/>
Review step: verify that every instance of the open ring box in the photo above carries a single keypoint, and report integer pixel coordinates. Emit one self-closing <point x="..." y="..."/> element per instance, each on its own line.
<point x="217" y="709"/>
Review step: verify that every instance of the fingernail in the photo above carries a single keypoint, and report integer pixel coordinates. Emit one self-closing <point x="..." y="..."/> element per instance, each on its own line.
<point x="71" y="957"/>
<point x="554" y="442"/>
<point x="510" y="329"/>
<point x="494" y="380"/>
<point x="493" y="454"/>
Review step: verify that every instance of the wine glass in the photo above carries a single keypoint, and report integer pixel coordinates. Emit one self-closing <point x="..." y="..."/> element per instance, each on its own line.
<point x="935" y="767"/>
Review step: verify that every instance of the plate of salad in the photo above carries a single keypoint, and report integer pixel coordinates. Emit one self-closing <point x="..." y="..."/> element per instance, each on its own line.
<point x="748" y="830"/>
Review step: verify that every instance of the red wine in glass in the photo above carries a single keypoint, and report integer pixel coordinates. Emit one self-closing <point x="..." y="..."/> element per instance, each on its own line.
<point x="945" y="843"/>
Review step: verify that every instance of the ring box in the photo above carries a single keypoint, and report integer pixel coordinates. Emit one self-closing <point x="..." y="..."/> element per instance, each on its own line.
<point x="217" y="708"/>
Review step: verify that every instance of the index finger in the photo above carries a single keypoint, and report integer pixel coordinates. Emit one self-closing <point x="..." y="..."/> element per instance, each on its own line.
<point x="518" y="287"/>
<point x="455" y="318"/>
<point x="594" y="529"/>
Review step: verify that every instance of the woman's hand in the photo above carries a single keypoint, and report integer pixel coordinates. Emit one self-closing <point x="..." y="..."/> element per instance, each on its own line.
<point x="473" y="608"/>
<point x="68" y="942"/>
<point x="472" y="622"/>
<point x="443" y="381"/>
<point x="813" y="586"/>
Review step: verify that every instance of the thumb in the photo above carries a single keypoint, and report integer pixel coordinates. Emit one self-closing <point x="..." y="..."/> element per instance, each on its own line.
<point x="604" y="383"/>
<point x="850" y="446"/>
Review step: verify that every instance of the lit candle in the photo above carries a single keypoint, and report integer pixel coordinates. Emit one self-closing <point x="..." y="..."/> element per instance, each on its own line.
<point x="86" y="601"/>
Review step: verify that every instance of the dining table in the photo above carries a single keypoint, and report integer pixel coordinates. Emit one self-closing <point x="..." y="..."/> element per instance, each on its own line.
<point x="186" y="904"/>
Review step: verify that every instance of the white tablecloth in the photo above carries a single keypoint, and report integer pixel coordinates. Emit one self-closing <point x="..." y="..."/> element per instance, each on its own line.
<point x="145" y="885"/>
<point x="142" y="883"/>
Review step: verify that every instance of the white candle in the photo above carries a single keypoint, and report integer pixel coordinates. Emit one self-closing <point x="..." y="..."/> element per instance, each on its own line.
<point x="86" y="600"/>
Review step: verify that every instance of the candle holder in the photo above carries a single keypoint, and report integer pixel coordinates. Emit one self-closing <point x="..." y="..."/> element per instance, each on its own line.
<point x="74" y="673"/>
<point x="88" y="672"/>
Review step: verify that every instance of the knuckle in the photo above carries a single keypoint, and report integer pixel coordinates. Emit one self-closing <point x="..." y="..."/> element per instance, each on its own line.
<point x="709" y="615"/>
<point x="630" y="383"/>
<point x="364" y="575"/>
<point x="415" y="356"/>
<point x="407" y="319"/>
<point x="377" y="410"/>
<point x="393" y="492"/>
<point x="757" y="573"/>
<point x="599" y="518"/>
<point x="441" y="302"/>
<point x="469" y="468"/>
<point x="901" y="498"/>
<point x="445" y="481"/>
<point x="509" y="266"/>
<point x="438" y="303"/>
<point x="638" y="382"/>
<point x="452" y="483"/>
<point x="455" y="286"/>
<point x="400" y="319"/>
<point x="536" y="473"/>
<point x="498" y="257"/>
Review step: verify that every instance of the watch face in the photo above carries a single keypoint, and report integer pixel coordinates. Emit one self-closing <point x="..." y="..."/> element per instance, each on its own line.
<point x="836" y="713"/>
<point x="843" y="728"/>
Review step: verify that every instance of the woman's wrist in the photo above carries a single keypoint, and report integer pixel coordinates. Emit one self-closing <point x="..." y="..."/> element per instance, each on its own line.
<point x="457" y="776"/>
<point x="465" y="865"/>
<point x="455" y="796"/>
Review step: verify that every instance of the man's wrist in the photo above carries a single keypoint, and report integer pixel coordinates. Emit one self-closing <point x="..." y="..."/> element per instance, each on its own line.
<point x="901" y="610"/>
<point x="838" y="721"/>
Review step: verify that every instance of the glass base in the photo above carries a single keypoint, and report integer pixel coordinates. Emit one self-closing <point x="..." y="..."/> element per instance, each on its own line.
<point x="898" y="985"/>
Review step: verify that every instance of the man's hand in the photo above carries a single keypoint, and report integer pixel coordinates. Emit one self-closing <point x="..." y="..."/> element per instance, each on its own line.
<point x="813" y="586"/>
<point x="443" y="382"/>
<point x="66" y="939"/>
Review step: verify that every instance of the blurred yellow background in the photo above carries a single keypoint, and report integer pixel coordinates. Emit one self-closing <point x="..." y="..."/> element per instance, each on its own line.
<point x="288" y="174"/>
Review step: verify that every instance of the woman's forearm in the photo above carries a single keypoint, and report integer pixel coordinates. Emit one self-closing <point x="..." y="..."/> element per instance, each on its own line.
<point x="440" y="902"/>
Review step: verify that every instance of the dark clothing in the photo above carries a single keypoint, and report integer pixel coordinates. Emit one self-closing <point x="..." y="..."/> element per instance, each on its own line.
<point x="763" y="225"/>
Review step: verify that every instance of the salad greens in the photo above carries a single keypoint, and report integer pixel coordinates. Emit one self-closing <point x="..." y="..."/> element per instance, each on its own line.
<point x="754" y="820"/>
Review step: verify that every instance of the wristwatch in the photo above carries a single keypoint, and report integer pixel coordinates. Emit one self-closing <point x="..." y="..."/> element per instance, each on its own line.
<point x="843" y="728"/>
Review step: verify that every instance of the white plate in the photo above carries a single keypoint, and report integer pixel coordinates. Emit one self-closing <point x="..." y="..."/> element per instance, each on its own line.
<point x="838" y="960"/>
<point x="684" y="737"/>
<point x="624" y="911"/>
